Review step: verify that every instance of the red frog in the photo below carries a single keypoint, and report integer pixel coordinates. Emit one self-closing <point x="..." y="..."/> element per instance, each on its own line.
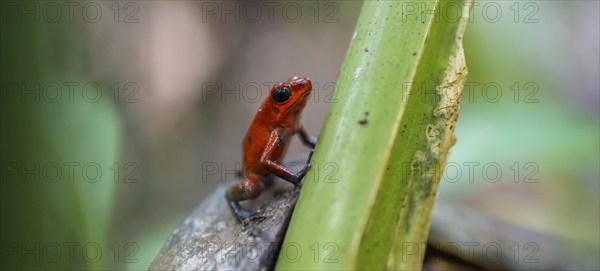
<point x="276" y="121"/>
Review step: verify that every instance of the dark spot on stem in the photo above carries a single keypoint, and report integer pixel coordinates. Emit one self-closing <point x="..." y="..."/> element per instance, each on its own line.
<point x="363" y="122"/>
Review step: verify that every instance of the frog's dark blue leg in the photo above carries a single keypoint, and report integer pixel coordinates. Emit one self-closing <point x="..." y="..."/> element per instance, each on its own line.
<point x="307" y="139"/>
<point x="249" y="188"/>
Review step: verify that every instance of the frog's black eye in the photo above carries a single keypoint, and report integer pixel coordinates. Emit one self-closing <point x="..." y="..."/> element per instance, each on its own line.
<point x="302" y="85"/>
<point x="281" y="94"/>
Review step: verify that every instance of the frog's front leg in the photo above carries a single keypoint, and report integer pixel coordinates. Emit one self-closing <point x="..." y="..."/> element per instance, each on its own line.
<point x="276" y="140"/>
<point x="307" y="139"/>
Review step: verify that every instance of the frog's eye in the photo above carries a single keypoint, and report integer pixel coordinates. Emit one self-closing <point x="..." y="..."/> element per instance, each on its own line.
<point x="281" y="94"/>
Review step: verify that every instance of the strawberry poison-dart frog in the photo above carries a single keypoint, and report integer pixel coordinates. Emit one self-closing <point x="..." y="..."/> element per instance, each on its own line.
<point x="276" y="121"/>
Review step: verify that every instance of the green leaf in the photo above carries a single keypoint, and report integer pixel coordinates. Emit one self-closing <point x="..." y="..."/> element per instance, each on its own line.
<point x="57" y="153"/>
<point x="366" y="202"/>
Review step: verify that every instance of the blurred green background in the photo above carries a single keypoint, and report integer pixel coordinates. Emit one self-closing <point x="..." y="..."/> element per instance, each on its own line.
<point x="118" y="118"/>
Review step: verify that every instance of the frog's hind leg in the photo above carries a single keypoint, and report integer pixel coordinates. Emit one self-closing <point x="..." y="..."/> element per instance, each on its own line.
<point x="249" y="188"/>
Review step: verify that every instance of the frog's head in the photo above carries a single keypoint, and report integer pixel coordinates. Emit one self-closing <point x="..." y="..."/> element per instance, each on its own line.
<point x="290" y="97"/>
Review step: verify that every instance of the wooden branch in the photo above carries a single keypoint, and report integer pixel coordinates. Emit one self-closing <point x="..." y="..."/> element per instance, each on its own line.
<point x="211" y="238"/>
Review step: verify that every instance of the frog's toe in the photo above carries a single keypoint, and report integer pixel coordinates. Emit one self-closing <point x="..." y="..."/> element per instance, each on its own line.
<point x="257" y="216"/>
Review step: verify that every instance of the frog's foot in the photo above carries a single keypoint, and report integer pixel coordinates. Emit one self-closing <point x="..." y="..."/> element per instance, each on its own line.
<point x="239" y="212"/>
<point x="297" y="180"/>
<point x="246" y="217"/>
<point x="255" y="217"/>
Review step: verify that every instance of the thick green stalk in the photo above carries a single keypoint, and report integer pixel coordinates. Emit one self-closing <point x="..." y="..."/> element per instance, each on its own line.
<point x="366" y="202"/>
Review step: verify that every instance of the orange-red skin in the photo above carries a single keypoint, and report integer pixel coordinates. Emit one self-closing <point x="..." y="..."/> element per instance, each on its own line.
<point x="269" y="116"/>
<point x="266" y="141"/>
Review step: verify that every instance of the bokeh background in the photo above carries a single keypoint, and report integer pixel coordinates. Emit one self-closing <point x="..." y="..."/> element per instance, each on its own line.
<point x="118" y="118"/>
